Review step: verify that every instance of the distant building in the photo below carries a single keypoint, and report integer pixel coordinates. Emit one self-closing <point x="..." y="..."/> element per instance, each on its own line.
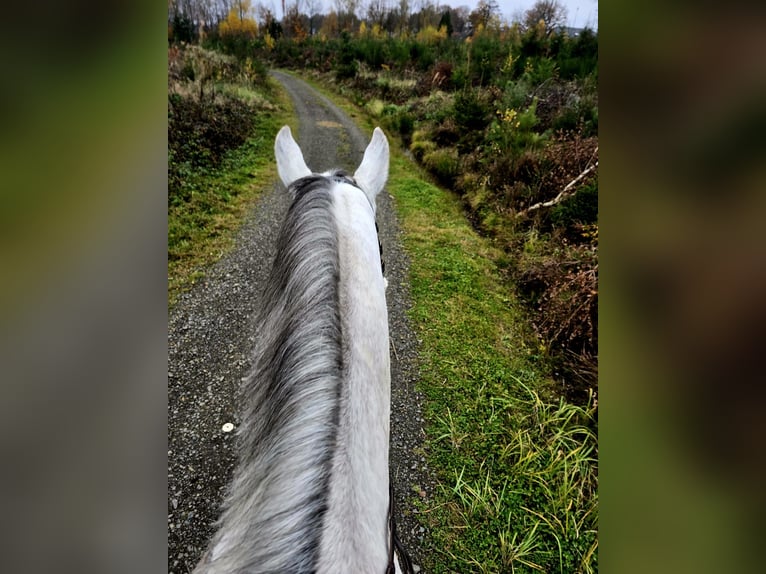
<point x="570" y="31"/>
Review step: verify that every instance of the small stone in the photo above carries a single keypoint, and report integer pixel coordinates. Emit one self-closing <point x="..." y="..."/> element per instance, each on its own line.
<point x="228" y="427"/>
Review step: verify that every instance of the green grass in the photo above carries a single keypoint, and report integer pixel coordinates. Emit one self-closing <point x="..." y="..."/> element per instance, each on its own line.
<point x="202" y="229"/>
<point x="517" y="466"/>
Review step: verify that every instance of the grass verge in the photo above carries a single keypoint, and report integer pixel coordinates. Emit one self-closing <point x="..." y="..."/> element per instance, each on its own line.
<point x="203" y="228"/>
<point x="517" y="466"/>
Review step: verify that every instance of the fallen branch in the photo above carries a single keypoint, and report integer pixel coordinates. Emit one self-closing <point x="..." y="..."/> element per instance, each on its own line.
<point x="563" y="194"/>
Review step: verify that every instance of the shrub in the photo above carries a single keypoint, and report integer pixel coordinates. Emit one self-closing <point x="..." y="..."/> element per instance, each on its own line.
<point x="421" y="147"/>
<point x="579" y="210"/>
<point x="513" y="133"/>
<point x="472" y="116"/>
<point x="347" y="66"/>
<point x="406" y="125"/>
<point x="200" y="132"/>
<point x="375" y="107"/>
<point x="443" y="163"/>
<point x="397" y="119"/>
<point x="446" y="133"/>
<point x="561" y="283"/>
<point x="183" y="29"/>
<point x="470" y="112"/>
<point x="441" y="75"/>
<point x="540" y="70"/>
<point x="578" y="115"/>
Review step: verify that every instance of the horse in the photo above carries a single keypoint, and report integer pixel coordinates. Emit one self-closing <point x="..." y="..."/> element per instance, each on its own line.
<point x="311" y="491"/>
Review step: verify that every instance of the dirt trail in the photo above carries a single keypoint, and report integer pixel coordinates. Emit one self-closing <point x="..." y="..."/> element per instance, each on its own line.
<point x="211" y="333"/>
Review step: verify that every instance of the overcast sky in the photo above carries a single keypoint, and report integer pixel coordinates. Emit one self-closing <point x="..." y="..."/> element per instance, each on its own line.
<point x="580" y="13"/>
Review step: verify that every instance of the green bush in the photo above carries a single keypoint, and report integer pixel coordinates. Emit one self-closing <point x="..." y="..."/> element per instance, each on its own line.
<point x="513" y="132"/>
<point x="540" y="70"/>
<point x="397" y="119"/>
<point x="579" y="209"/>
<point x="472" y="116"/>
<point x="443" y="163"/>
<point x="200" y="132"/>
<point x="347" y="65"/>
<point x="421" y="143"/>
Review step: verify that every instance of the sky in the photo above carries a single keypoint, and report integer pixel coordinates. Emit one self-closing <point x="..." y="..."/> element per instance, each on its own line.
<point x="580" y="13"/>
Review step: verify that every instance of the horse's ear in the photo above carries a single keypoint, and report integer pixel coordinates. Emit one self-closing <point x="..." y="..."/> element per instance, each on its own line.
<point x="373" y="171"/>
<point x="290" y="163"/>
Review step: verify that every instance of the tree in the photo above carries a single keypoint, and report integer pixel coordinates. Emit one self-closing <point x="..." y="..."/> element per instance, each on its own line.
<point x="239" y="21"/>
<point x="485" y="11"/>
<point x="183" y="29"/>
<point x="551" y="13"/>
<point x="346" y="11"/>
<point x="376" y="12"/>
<point x="459" y="18"/>
<point x="330" y="26"/>
<point x="295" y="24"/>
<point x="446" y="23"/>
<point x="313" y="9"/>
<point x="403" y="15"/>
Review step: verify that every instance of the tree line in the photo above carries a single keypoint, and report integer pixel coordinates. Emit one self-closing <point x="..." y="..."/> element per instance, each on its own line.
<point x="190" y="20"/>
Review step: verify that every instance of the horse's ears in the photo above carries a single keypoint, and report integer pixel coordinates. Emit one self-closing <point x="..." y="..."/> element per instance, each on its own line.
<point x="290" y="163"/>
<point x="372" y="173"/>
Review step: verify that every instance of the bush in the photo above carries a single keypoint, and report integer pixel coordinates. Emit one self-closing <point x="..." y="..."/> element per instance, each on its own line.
<point x="183" y="29"/>
<point x="578" y="210"/>
<point x="470" y="112"/>
<point x="200" y="132"/>
<point x="347" y="66"/>
<point x="421" y="144"/>
<point x="472" y="116"/>
<point x="397" y="119"/>
<point x="443" y="163"/>
<point x="561" y="283"/>
<point x="406" y="125"/>
<point x="441" y="76"/>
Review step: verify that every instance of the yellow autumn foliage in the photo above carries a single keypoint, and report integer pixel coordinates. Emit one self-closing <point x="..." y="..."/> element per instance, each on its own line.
<point x="239" y="21"/>
<point x="430" y="35"/>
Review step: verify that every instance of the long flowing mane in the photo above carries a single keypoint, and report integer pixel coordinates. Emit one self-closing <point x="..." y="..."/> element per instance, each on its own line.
<point x="290" y="398"/>
<point x="310" y="489"/>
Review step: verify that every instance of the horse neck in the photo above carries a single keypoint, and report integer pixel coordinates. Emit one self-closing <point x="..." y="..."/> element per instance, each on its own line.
<point x="310" y="491"/>
<point x="355" y="534"/>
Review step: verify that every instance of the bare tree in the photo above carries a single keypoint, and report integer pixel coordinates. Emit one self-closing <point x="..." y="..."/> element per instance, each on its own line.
<point x="551" y="12"/>
<point x="485" y="11"/>
<point x="403" y="14"/>
<point x="346" y="10"/>
<point x="427" y="14"/>
<point x="376" y="11"/>
<point x="313" y="9"/>
<point x="459" y="17"/>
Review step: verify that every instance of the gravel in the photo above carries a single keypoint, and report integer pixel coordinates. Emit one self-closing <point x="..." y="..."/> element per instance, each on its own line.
<point x="211" y="332"/>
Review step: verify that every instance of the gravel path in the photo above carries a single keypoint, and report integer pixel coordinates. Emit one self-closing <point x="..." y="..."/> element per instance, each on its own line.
<point x="211" y="333"/>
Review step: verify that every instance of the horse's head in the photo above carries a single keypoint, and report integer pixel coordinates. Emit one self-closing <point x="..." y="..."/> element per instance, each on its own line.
<point x="370" y="176"/>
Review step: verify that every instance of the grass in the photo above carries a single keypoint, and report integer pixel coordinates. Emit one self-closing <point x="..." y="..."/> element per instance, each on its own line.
<point x="517" y="466"/>
<point x="202" y="229"/>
